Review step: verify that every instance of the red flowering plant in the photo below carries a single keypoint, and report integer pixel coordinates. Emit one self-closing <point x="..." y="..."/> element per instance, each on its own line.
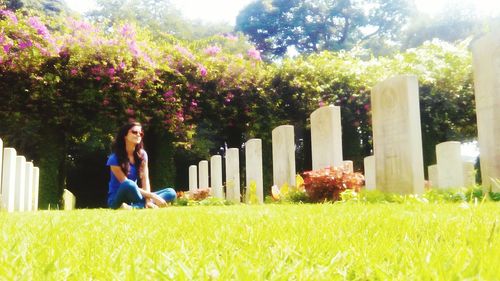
<point x="327" y="184"/>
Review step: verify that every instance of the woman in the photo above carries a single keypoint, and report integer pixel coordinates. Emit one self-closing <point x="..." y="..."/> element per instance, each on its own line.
<point x="128" y="164"/>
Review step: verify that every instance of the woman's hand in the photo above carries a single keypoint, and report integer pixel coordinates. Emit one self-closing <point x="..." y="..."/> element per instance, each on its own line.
<point x="158" y="201"/>
<point x="150" y="205"/>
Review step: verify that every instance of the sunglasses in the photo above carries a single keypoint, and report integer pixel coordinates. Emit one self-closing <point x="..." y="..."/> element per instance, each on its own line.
<point x="137" y="133"/>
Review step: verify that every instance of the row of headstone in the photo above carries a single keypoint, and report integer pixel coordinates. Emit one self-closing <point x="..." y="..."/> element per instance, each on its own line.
<point x="397" y="163"/>
<point x="326" y="140"/>
<point x="18" y="181"/>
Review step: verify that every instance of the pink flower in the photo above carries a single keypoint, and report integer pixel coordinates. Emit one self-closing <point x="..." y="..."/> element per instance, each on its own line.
<point x="6" y="47"/>
<point x="229" y="97"/>
<point x="254" y="54"/>
<point x="230" y="37"/>
<point x="80" y="25"/>
<point x="121" y="65"/>
<point x="212" y="50"/>
<point x="180" y="115"/>
<point x="41" y="29"/>
<point x="74" y="72"/>
<point x="25" y="44"/>
<point x="129" y="111"/>
<point x="168" y="94"/>
<point x="184" y="51"/>
<point x="127" y="31"/>
<point x="111" y="71"/>
<point x="321" y="103"/>
<point x="367" y="107"/>
<point x="105" y="102"/>
<point x="202" y="69"/>
<point x="132" y="45"/>
<point x="9" y="14"/>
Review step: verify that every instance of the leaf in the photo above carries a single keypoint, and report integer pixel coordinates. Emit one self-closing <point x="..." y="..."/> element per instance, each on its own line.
<point x="300" y="183"/>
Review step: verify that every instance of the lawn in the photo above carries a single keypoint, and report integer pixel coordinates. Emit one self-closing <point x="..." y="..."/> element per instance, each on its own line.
<point x="351" y="241"/>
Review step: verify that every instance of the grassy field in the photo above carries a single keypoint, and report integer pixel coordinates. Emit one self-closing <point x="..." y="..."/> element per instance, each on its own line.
<point x="271" y="242"/>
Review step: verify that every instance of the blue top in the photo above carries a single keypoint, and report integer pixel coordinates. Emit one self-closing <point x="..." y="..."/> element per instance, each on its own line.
<point x="114" y="184"/>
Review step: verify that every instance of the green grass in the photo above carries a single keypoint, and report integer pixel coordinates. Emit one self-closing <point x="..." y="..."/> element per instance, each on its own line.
<point x="271" y="242"/>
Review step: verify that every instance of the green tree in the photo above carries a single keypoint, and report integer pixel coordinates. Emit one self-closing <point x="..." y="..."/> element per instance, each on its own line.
<point x="314" y="25"/>
<point x="49" y="7"/>
<point x="160" y="17"/>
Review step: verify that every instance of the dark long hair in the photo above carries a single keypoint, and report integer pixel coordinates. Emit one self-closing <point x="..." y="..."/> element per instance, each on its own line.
<point x="121" y="152"/>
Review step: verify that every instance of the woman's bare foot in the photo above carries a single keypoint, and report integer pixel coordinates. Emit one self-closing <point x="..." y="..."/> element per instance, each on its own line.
<point x="125" y="206"/>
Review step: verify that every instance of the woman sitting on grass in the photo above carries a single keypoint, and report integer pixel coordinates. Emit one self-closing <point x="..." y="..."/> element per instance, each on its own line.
<point x="129" y="163"/>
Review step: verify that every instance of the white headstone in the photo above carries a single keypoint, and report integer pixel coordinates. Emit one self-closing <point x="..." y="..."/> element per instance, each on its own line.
<point x="396" y="136"/>
<point x="216" y="176"/>
<point x="193" y="178"/>
<point x="253" y="164"/>
<point x="370" y="180"/>
<point x="449" y="165"/>
<point x="233" y="193"/>
<point x="36" y="178"/>
<point x="69" y="200"/>
<point x="283" y="156"/>
<point x="203" y="171"/>
<point x="28" y="182"/>
<point x="20" y="183"/>
<point x="348" y="166"/>
<point x="432" y="170"/>
<point x="469" y="174"/>
<point x="8" y="179"/>
<point x="326" y="137"/>
<point x="486" y="65"/>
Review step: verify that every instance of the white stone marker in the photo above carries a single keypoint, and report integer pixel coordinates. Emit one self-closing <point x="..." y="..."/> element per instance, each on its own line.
<point x="203" y="173"/>
<point x="449" y="165"/>
<point x="469" y="174"/>
<point x="348" y="166"/>
<point x="326" y="137"/>
<point x="69" y="200"/>
<point x="253" y="164"/>
<point x="283" y="156"/>
<point x="432" y="175"/>
<point x="8" y="179"/>
<point x="432" y="171"/>
<point x="28" y="183"/>
<point x="216" y="176"/>
<point x="396" y="136"/>
<point x="370" y="180"/>
<point x="486" y="65"/>
<point x="20" y="183"/>
<point x="193" y="178"/>
<point x="233" y="175"/>
<point x="36" y="178"/>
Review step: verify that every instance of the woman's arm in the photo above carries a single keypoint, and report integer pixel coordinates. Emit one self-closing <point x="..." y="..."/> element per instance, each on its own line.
<point x="120" y="176"/>
<point x="146" y="187"/>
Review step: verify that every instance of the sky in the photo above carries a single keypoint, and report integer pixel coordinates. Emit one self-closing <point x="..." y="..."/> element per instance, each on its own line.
<point x="227" y="10"/>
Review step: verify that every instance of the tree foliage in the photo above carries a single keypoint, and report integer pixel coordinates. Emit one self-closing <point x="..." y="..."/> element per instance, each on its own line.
<point x="49" y="7"/>
<point x="312" y="26"/>
<point x="158" y="16"/>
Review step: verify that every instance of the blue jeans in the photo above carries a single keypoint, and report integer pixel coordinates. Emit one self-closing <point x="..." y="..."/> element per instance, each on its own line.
<point x="129" y="193"/>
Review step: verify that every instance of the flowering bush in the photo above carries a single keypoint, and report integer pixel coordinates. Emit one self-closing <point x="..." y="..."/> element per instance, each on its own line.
<point x="327" y="184"/>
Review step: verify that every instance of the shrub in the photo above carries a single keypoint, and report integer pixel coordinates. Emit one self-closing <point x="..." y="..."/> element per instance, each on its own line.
<point x="327" y="184"/>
